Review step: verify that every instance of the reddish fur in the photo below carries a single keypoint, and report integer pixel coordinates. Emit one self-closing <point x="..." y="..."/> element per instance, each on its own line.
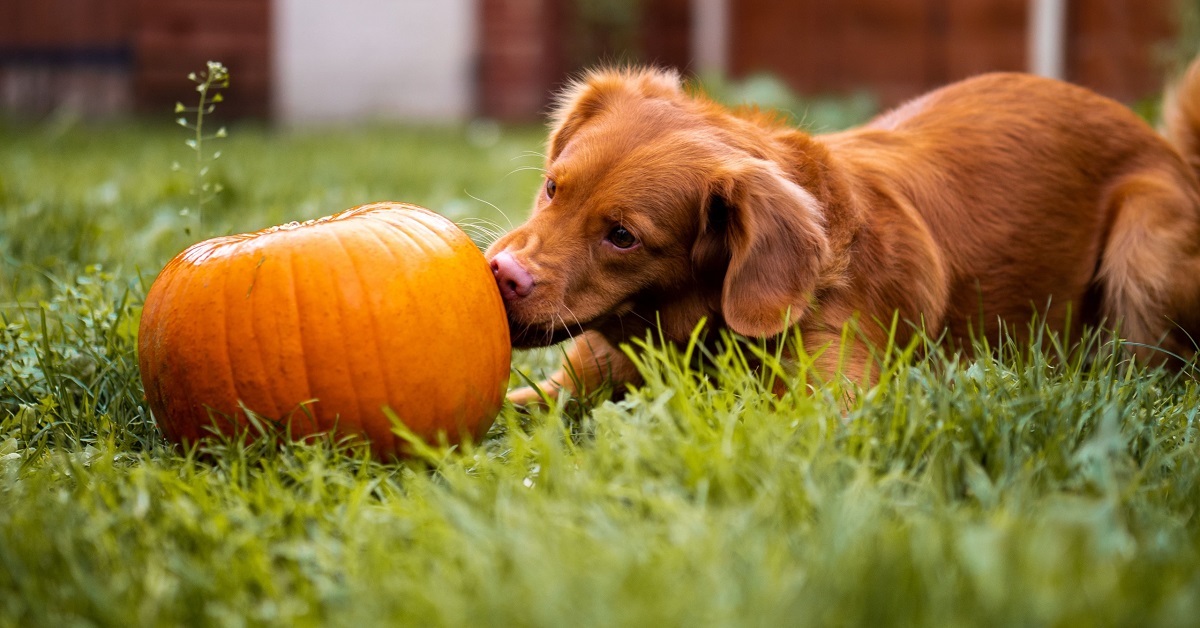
<point x="983" y="201"/>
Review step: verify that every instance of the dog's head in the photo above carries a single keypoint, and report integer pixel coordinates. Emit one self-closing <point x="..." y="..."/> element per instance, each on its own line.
<point x="652" y="198"/>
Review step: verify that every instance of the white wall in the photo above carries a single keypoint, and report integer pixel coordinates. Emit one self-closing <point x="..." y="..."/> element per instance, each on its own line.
<point x="710" y="36"/>
<point x="1047" y="38"/>
<point x="338" y="60"/>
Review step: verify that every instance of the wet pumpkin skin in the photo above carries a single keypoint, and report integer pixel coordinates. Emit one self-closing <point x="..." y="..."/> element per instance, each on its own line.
<point x="323" y="324"/>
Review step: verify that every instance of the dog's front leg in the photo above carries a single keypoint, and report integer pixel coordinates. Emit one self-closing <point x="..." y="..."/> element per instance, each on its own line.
<point x="840" y="356"/>
<point x="590" y="361"/>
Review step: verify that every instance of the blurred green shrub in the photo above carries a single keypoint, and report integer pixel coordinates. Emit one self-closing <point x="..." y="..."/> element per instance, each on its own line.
<point x="1178" y="53"/>
<point x="767" y="92"/>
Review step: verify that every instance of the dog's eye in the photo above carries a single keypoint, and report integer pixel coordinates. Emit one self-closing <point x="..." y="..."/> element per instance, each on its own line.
<point x="551" y="188"/>
<point x="621" y="238"/>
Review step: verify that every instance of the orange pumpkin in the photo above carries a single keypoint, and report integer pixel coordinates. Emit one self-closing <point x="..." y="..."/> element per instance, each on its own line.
<point x="322" y="325"/>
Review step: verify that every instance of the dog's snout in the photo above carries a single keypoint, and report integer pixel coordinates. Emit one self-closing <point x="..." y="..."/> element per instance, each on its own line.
<point x="515" y="282"/>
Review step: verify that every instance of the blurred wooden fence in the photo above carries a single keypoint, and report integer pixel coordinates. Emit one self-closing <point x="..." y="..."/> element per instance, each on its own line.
<point x="119" y="55"/>
<point x="894" y="48"/>
<point x="113" y="56"/>
<point x="72" y="52"/>
<point x="902" y="48"/>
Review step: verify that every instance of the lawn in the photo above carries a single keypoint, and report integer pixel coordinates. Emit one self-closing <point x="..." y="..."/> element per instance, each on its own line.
<point x="1039" y="485"/>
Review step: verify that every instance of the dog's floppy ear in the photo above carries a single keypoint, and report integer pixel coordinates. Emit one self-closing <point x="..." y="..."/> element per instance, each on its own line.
<point x="773" y="231"/>
<point x="583" y="98"/>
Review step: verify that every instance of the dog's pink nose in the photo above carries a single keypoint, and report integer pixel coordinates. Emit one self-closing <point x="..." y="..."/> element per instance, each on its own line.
<point x="514" y="281"/>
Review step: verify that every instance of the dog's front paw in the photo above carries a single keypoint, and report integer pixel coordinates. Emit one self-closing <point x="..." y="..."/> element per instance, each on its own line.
<point x="528" y="396"/>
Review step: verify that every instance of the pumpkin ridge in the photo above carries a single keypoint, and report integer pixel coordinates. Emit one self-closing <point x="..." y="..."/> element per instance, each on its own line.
<point x="403" y="231"/>
<point x="228" y="275"/>
<point x="293" y="301"/>
<point x="411" y="272"/>
<point x="434" y="234"/>
<point x="339" y="323"/>
<point x="432" y="221"/>
<point x="364" y="416"/>
<point x="387" y="373"/>
<point x="252" y="315"/>
<point x="226" y="340"/>
<point x="190" y="397"/>
<point x="150" y="352"/>
<point x="503" y="357"/>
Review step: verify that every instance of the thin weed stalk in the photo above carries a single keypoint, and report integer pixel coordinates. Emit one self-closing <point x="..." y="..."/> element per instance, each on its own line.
<point x="209" y="84"/>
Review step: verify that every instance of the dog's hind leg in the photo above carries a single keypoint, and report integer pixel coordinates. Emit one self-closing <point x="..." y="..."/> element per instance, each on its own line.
<point x="1149" y="271"/>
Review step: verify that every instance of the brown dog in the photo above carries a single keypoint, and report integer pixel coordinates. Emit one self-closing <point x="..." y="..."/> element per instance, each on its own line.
<point x="985" y="201"/>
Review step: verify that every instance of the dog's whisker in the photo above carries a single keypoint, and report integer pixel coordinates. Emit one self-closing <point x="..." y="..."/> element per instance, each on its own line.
<point x="527" y="154"/>
<point x="487" y="231"/>
<point x="480" y="223"/>
<point x="493" y="206"/>
<point x="566" y="327"/>
<point x="649" y="322"/>
<point x="479" y="220"/>
<point x="476" y="230"/>
<point x="577" y="321"/>
<point x="524" y="168"/>
<point x="481" y="235"/>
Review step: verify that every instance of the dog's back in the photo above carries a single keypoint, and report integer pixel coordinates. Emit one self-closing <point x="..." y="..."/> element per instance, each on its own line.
<point x="1044" y="196"/>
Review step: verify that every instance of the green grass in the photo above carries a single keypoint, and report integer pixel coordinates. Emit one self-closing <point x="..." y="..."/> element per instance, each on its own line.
<point x="1040" y="486"/>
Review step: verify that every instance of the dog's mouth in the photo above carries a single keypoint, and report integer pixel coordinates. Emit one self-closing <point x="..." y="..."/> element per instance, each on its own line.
<point x="526" y="336"/>
<point x="530" y="335"/>
<point x="541" y="324"/>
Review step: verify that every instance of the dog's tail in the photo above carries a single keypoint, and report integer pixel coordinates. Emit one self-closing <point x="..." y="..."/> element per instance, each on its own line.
<point x="1181" y="115"/>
